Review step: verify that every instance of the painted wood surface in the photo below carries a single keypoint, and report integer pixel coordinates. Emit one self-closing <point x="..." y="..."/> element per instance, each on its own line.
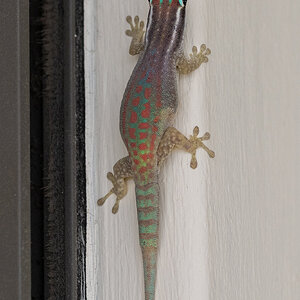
<point x="229" y="230"/>
<point x="254" y="92"/>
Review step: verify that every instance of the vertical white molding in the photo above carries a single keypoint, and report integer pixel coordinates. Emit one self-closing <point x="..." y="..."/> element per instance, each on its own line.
<point x="90" y="39"/>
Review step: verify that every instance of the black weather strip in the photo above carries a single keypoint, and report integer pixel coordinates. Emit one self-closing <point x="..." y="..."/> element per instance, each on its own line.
<point x="53" y="141"/>
<point x="58" y="150"/>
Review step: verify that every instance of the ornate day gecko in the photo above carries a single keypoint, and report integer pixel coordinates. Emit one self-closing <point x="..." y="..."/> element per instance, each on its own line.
<point x="147" y="111"/>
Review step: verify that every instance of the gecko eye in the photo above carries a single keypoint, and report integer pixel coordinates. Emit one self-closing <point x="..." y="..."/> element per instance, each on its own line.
<point x="182" y="2"/>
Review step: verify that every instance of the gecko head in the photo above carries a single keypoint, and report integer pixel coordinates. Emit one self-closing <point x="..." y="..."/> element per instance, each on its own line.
<point x="170" y="2"/>
<point x="162" y="12"/>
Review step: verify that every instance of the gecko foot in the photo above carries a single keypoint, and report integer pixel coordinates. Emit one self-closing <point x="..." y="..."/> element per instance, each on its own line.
<point x="201" y="57"/>
<point x="198" y="143"/>
<point x="137" y="33"/>
<point x="119" y="189"/>
<point x="187" y="65"/>
<point x="137" y="30"/>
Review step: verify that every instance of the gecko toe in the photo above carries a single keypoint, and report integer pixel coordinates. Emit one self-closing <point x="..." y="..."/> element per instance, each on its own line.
<point x="115" y="208"/>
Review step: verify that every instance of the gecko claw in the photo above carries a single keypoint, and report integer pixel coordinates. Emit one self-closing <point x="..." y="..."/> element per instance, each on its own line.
<point x="196" y="131"/>
<point x="115" y="208"/>
<point x="102" y="200"/>
<point x="205" y="137"/>
<point x="194" y="162"/>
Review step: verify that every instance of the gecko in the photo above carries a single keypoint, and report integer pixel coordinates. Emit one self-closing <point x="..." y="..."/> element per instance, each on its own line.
<point x="147" y="112"/>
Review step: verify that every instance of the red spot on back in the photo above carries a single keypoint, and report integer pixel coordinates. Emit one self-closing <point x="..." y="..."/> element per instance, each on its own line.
<point x="143" y="170"/>
<point x="135" y="153"/>
<point x="143" y="146"/>
<point x="144" y="156"/>
<point x="156" y="119"/>
<point x="136" y="161"/>
<point x="154" y="129"/>
<point x="146" y="112"/>
<point x="147" y="93"/>
<point x="133" y="145"/>
<point x="136" y="101"/>
<point x="143" y="125"/>
<point x="139" y="89"/>
<point x="133" y="117"/>
<point x="143" y="135"/>
<point x="132" y="133"/>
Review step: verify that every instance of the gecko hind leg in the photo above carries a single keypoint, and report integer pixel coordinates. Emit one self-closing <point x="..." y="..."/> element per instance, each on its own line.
<point x="137" y="34"/>
<point x="173" y="139"/>
<point x="122" y="173"/>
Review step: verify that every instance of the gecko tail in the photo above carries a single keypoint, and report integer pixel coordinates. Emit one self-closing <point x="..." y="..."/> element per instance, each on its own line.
<point x="147" y="196"/>
<point x="149" y="262"/>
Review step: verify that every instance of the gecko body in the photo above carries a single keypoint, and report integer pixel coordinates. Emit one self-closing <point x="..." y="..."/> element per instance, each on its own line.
<point x="147" y="111"/>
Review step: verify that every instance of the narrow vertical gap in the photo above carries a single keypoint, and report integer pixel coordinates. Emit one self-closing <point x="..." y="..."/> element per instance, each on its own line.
<point x="36" y="151"/>
<point x="80" y="150"/>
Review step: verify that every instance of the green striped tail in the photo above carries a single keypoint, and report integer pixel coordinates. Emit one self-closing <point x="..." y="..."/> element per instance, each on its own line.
<point x="147" y="197"/>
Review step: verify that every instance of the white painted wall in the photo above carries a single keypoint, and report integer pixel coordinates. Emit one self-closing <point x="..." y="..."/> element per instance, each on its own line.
<point x="230" y="229"/>
<point x="253" y="91"/>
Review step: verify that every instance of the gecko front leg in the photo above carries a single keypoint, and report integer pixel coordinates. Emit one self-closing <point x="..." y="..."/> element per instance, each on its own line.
<point x="137" y="34"/>
<point x="122" y="172"/>
<point x="187" y="65"/>
<point x="173" y="139"/>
